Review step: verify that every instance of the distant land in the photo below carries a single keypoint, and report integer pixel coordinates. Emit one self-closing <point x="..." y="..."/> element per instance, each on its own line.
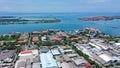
<point x="27" y="20"/>
<point x="100" y="18"/>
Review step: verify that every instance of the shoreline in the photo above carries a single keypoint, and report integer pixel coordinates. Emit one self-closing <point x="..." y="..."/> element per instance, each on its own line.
<point x="6" y="20"/>
<point x="69" y="32"/>
<point x="100" y="18"/>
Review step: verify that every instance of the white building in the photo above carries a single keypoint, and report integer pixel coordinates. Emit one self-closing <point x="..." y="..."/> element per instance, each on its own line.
<point x="116" y="44"/>
<point x="99" y="48"/>
<point x="36" y="65"/>
<point x="55" y="52"/>
<point x="28" y="55"/>
<point x="47" y="60"/>
<point x="35" y="53"/>
<point x="107" y="58"/>
<point x="43" y="38"/>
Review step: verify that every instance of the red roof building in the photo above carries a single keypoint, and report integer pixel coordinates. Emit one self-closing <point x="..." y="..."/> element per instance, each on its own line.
<point x="25" y="52"/>
<point x="45" y="31"/>
<point x="58" y="39"/>
<point x="74" y="39"/>
<point x="35" y="39"/>
<point x="26" y="33"/>
<point x="35" y="32"/>
<point x="1" y="43"/>
<point x="88" y="65"/>
<point x="21" y="41"/>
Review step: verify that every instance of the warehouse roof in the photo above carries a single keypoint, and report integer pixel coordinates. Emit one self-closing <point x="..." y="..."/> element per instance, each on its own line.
<point x="55" y="52"/>
<point x="47" y="60"/>
<point x="65" y="65"/>
<point x="105" y="57"/>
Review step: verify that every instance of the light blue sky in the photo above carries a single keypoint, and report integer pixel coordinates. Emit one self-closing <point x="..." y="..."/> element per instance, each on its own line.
<point x="59" y="5"/>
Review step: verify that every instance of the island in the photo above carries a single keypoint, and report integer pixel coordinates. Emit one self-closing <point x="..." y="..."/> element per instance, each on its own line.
<point x="100" y="18"/>
<point x="27" y="20"/>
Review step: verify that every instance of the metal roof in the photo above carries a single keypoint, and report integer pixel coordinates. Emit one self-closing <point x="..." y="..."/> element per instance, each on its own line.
<point x="105" y="57"/>
<point x="47" y="60"/>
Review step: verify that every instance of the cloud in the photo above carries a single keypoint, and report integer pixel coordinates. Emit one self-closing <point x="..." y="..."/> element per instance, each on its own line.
<point x="5" y="8"/>
<point x="101" y="1"/>
<point x="59" y="5"/>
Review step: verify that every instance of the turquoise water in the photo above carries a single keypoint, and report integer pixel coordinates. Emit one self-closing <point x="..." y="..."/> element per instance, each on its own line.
<point x="69" y="22"/>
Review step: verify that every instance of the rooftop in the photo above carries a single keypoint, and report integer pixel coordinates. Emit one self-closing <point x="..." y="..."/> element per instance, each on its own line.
<point x="65" y="65"/>
<point x="88" y="64"/>
<point x="7" y="54"/>
<point x="44" y="49"/>
<point x="105" y="57"/>
<point x="55" y="52"/>
<point x="20" y="63"/>
<point x="35" y="39"/>
<point x="117" y="44"/>
<point x="58" y="39"/>
<point x="24" y="53"/>
<point x="21" y="41"/>
<point x="47" y="60"/>
<point x="80" y="61"/>
<point x="36" y="65"/>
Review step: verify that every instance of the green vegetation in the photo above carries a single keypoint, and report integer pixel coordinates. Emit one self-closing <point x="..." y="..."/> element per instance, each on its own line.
<point x="12" y="47"/>
<point x="8" y="38"/>
<point x="72" y="36"/>
<point x="48" y="21"/>
<point x="23" y="20"/>
<point x="92" y="46"/>
<point x="118" y="63"/>
<point x="48" y="43"/>
<point x="38" y="44"/>
<point x="12" y="20"/>
<point x="10" y="42"/>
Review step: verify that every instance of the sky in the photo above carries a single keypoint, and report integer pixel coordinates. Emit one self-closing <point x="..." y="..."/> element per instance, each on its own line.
<point x="59" y="5"/>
